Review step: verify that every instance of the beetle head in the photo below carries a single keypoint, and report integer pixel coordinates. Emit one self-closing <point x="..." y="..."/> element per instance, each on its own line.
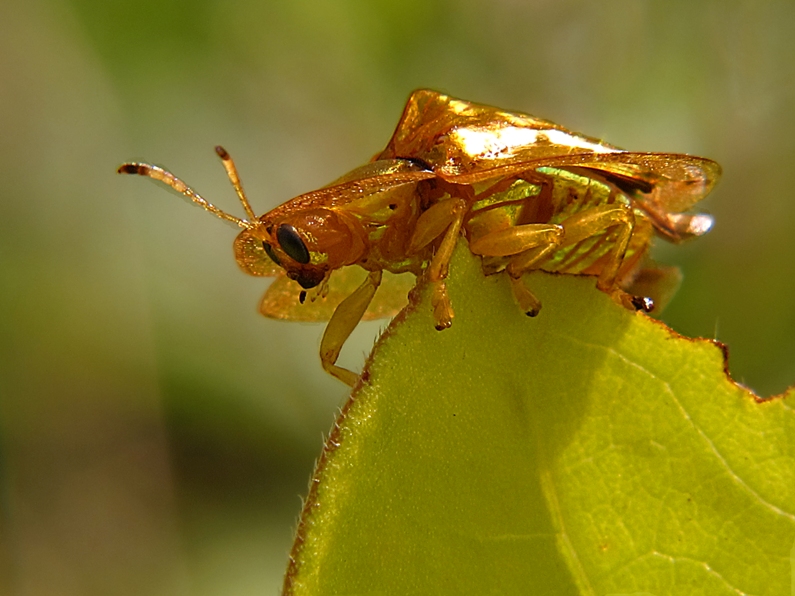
<point x="307" y="243"/>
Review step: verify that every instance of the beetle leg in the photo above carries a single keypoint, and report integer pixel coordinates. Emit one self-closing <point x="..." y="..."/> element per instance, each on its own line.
<point x="516" y="240"/>
<point x="592" y="221"/>
<point x="528" y="302"/>
<point x="445" y="217"/>
<point x="529" y="244"/>
<point x="342" y="323"/>
<point x="432" y="224"/>
<point x="521" y="264"/>
<point x="658" y="282"/>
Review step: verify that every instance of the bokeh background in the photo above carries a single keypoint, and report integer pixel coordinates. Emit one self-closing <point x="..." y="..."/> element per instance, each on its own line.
<point x="156" y="433"/>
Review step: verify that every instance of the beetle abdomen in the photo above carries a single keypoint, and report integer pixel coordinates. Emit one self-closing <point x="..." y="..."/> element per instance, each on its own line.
<point x="552" y="196"/>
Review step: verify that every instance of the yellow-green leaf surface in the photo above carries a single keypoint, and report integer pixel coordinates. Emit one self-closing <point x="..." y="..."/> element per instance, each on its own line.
<point x="589" y="450"/>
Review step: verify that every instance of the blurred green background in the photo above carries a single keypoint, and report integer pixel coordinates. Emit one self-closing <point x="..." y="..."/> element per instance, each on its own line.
<point x="156" y="432"/>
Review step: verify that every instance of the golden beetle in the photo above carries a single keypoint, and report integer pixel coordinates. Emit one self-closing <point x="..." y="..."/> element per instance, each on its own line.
<point x="525" y="193"/>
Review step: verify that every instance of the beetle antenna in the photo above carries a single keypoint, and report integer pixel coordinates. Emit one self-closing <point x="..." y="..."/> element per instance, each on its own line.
<point x="231" y="171"/>
<point x="169" y="179"/>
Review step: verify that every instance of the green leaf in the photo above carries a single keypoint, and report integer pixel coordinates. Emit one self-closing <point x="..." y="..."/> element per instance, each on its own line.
<point x="589" y="450"/>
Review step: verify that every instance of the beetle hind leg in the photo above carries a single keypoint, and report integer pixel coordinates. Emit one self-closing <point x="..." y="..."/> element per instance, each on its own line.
<point x="631" y="301"/>
<point x="596" y="220"/>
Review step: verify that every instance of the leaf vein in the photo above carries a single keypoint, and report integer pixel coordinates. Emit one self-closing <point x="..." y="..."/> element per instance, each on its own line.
<point x="548" y="487"/>
<point x="703" y="564"/>
<point x="738" y="480"/>
<point x="707" y="440"/>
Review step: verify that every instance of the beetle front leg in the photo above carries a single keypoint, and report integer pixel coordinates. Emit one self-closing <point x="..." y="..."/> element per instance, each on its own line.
<point x="342" y="323"/>
<point x="446" y="215"/>
<point x="437" y="270"/>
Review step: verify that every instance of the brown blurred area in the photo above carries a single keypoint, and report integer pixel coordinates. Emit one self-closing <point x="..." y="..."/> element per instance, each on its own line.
<point x="156" y="432"/>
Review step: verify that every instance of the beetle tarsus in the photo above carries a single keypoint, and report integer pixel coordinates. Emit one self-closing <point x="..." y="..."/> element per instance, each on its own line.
<point x="642" y="303"/>
<point x="442" y="309"/>
<point x="527" y="301"/>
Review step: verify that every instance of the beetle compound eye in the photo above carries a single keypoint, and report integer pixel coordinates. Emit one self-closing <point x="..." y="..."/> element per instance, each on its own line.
<point x="270" y="253"/>
<point x="292" y="244"/>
